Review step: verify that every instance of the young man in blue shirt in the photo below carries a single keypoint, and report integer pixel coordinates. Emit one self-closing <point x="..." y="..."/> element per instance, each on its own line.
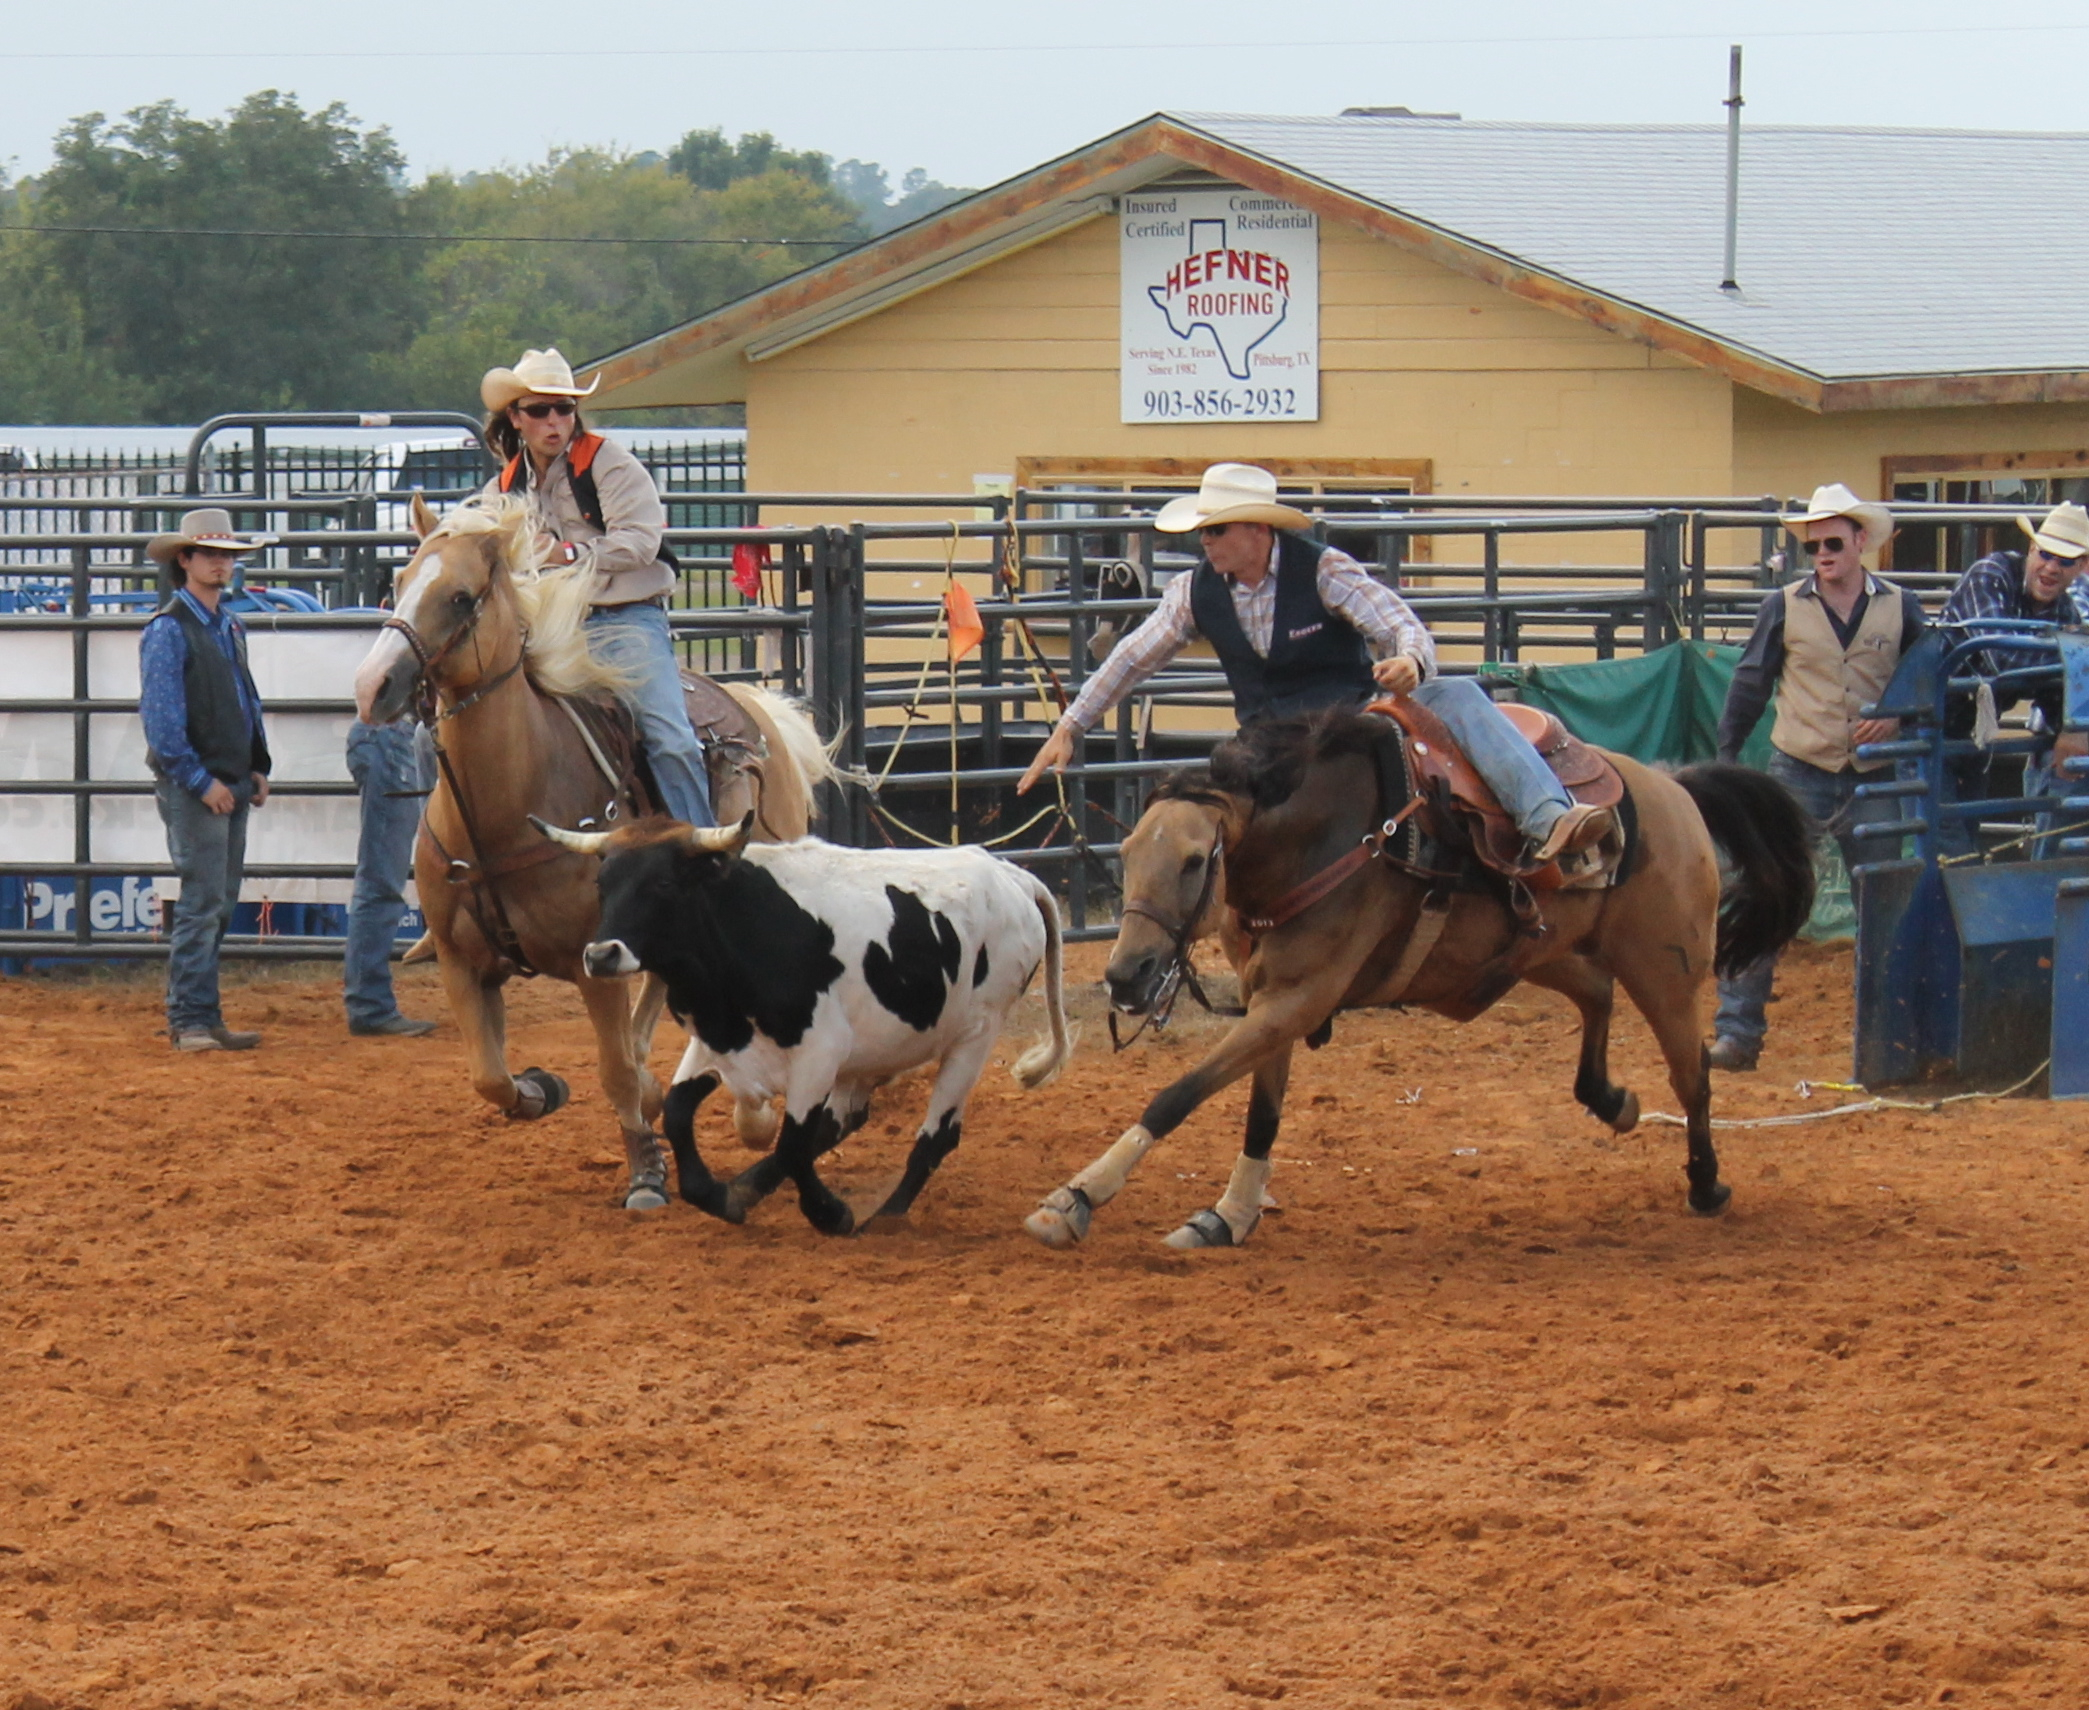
<point x="207" y="749"/>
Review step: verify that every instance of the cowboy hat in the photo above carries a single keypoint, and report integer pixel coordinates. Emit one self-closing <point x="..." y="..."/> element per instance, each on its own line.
<point x="542" y="371"/>
<point x="209" y="528"/>
<point x="1230" y="492"/>
<point x="2064" y="533"/>
<point x="1835" y="500"/>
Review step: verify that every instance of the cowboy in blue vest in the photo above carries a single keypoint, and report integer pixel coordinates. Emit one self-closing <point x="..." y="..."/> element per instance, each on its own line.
<point x="209" y="755"/>
<point x="1298" y="626"/>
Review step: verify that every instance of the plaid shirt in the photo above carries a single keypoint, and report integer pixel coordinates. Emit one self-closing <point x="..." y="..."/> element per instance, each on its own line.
<point x="1385" y="621"/>
<point x="1994" y="588"/>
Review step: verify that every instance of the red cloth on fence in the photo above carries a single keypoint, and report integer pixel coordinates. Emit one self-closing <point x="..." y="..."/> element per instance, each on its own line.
<point x="750" y="559"/>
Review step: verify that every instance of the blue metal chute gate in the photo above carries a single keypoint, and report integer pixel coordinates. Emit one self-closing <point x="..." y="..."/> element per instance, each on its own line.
<point x="844" y="615"/>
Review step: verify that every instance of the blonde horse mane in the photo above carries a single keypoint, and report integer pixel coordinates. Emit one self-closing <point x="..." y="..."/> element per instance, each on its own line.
<point x="554" y="603"/>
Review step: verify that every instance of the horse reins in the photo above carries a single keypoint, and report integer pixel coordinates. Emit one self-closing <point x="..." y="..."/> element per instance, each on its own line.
<point x="500" y="932"/>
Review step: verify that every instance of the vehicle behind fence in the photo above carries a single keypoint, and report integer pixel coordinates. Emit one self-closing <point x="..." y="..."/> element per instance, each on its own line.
<point x="843" y="605"/>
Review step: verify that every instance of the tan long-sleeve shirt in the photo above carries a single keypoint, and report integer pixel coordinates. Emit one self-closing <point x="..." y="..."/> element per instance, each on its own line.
<point x="624" y="554"/>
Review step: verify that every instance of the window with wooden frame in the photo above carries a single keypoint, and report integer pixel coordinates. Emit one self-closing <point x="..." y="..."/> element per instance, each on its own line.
<point x="2034" y="480"/>
<point x="1084" y="488"/>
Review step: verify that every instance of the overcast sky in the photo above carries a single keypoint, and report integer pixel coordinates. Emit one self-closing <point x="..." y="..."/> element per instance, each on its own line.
<point x="975" y="93"/>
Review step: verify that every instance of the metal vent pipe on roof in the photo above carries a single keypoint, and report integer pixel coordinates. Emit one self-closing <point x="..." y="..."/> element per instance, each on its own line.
<point x="1733" y="163"/>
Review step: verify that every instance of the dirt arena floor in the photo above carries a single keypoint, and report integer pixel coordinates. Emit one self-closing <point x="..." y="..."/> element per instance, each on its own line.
<point x="324" y="1386"/>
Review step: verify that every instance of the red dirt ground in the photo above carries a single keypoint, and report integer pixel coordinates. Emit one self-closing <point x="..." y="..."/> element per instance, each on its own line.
<point x="323" y="1386"/>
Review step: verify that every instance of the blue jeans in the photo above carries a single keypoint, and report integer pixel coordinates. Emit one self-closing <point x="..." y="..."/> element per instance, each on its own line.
<point x="636" y="637"/>
<point x="209" y="851"/>
<point x="1515" y="771"/>
<point x="1830" y="797"/>
<point x="386" y="764"/>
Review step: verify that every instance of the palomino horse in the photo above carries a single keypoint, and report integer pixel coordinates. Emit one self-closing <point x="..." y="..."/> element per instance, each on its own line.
<point x="495" y="640"/>
<point x="1284" y="802"/>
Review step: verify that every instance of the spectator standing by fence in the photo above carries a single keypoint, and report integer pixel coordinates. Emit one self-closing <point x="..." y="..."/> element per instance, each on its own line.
<point x="1827" y="645"/>
<point x="209" y="756"/>
<point x="391" y="776"/>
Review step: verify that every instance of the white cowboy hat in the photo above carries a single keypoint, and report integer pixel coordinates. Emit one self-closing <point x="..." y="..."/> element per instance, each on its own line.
<point x="2064" y="533"/>
<point x="1230" y="492"/>
<point x="542" y="371"/>
<point x="1835" y="500"/>
<point x="211" y="528"/>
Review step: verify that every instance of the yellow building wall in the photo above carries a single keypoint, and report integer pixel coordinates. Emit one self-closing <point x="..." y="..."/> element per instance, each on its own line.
<point x="1020" y="359"/>
<point x="1787" y="451"/>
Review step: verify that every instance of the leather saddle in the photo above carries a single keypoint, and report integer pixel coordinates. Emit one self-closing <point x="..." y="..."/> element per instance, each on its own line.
<point x="734" y="748"/>
<point x="1461" y="812"/>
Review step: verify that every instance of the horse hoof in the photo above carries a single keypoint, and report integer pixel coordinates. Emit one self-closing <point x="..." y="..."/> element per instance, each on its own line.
<point x="1203" y="1229"/>
<point x="1627" y="1117"/>
<point x="538" y="1092"/>
<point x="1062" y="1219"/>
<point x="644" y="1196"/>
<point x="1713" y="1203"/>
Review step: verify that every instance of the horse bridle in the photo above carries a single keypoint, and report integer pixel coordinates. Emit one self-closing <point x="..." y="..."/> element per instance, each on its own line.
<point x="1179" y="972"/>
<point x="429" y="710"/>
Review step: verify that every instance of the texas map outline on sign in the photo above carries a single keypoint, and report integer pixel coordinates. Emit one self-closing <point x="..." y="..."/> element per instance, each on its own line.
<point x="1238" y="297"/>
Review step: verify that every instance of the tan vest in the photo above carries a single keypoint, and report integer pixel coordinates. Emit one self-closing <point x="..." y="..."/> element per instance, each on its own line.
<point x="1824" y="685"/>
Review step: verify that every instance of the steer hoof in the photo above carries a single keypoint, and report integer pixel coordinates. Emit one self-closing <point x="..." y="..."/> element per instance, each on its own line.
<point x="1204" y="1229"/>
<point x="1062" y="1219"/>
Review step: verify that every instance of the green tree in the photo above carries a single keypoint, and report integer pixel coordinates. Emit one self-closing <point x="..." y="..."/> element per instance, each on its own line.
<point x="709" y="162"/>
<point x="864" y="183"/>
<point x="492" y="300"/>
<point x="204" y="324"/>
<point x="48" y="372"/>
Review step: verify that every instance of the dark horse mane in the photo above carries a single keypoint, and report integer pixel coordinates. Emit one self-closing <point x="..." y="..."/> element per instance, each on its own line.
<point x="1266" y="762"/>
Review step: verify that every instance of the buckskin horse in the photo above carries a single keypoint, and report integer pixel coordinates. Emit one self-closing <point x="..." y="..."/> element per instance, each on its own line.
<point x="496" y="651"/>
<point x="1329" y="909"/>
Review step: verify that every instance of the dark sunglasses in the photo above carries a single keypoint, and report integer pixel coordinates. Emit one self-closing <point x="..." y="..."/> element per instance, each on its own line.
<point x="1212" y="531"/>
<point x="556" y="407"/>
<point x="1833" y="543"/>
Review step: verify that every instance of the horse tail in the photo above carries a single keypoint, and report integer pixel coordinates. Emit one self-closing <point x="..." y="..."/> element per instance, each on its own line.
<point x="1767" y="840"/>
<point x="809" y="756"/>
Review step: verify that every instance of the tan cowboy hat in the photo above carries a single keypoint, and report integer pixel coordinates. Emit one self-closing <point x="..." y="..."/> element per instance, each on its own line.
<point x="1230" y="492"/>
<point x="2064" y="533"/>
<point x="1835" y="500"/>
<point x="211" y="528"/>
<point x="542" y="371"/>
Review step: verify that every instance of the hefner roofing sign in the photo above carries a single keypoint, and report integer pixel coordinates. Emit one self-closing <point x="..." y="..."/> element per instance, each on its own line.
<point x="1220" y="309"/>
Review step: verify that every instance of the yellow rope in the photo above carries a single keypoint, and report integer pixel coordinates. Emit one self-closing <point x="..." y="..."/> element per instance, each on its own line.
<point x="1043" y="813"/>
<point x="1860" y="1107"/>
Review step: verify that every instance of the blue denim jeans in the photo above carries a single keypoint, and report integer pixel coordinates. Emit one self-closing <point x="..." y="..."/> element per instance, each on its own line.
<point x="1515" y="771"/>
<point x="209" y="851"/>
<point x="637" y="638"/>
<point x="386" y="763"/>
<point x="1830" y="797"/>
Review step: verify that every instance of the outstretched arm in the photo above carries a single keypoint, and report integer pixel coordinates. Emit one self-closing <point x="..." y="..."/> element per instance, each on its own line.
<point x="1165" y="633"/>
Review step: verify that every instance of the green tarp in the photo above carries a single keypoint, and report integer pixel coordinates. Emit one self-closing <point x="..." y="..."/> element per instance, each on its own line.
<point x="1663" y="708"/>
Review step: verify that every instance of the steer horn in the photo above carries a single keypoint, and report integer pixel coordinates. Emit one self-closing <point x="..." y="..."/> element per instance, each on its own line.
<point x="720" y="840"/>
<point x="584" y="842"/>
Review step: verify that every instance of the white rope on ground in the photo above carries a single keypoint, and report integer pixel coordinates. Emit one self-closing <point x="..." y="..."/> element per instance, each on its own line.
<point x="1858" y="1108"/>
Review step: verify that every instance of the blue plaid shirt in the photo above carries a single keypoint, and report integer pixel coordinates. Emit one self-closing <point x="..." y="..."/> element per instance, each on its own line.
<point x="163" y="700"/>
<point x="1994" y="588"/>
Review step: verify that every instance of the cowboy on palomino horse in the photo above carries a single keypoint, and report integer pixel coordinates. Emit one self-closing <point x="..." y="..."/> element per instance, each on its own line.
<point x="597" y="509"/>
<point x="1299" y="627"/>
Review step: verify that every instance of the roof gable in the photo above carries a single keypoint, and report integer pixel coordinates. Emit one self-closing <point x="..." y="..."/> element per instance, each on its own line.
<point x="1872" y="271"/>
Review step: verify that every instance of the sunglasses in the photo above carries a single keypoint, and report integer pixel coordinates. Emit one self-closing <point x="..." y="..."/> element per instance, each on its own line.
<point x="1830" y="543"/>
<point x="1213" y="531"/>
<point x="2055" y="558"/>
<point x="556" y="407"/>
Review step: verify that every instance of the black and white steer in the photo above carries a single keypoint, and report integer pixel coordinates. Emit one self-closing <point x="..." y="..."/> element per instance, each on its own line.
<point x="820" y="973"/>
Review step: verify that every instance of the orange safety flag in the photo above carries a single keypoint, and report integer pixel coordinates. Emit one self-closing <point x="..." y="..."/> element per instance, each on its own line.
<point x="750" y="559"/>
<point x="966" y="630"/>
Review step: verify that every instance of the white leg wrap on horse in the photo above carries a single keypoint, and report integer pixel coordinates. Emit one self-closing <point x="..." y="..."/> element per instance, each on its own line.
<point x="1103" y="1180"/>
<point x="1241" y="1204"/>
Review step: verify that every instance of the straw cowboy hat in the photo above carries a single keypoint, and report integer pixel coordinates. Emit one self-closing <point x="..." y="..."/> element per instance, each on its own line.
<point x="1835" y="500"/>
<point x="2064" y="533"/>
<point x="1230" y="492"/>
<point x="543" y="371"/>
<point x="211" y="528"/>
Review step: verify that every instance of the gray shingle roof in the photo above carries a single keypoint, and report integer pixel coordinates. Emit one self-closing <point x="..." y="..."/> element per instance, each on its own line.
<point x="1863" y="253"/>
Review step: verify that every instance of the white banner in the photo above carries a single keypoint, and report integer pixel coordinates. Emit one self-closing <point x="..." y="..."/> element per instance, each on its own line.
<point x="1220" y="307"/>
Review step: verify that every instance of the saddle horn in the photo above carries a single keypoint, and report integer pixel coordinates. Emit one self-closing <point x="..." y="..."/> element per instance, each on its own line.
<point x="583" y="842"/>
